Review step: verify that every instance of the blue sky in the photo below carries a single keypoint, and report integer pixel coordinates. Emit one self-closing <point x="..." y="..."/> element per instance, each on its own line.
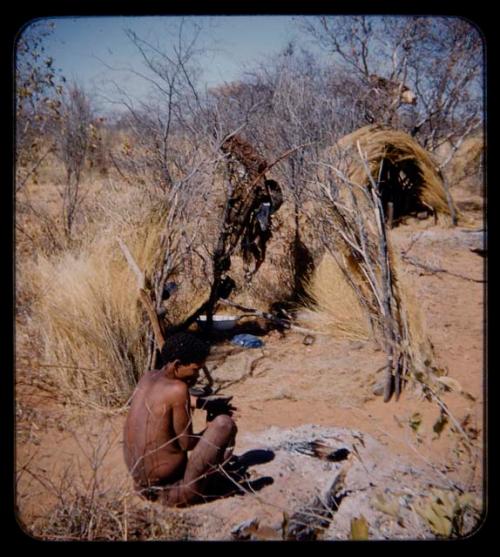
<point x="82" y="47"/>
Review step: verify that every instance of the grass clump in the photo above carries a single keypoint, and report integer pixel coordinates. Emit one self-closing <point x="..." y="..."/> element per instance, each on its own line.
<point x="335" y="308"/>
<point x="109" y="517"/>
<point x="92" y="325"/>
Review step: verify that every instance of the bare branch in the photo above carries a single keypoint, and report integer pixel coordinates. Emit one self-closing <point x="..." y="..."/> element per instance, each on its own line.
<point x="141" y="281"/>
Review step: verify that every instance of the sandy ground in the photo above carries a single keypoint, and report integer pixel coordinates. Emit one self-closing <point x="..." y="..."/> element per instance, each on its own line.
<point x="284" y="391"/>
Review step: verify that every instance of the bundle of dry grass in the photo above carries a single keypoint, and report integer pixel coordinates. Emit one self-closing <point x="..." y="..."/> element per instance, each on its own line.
<point x="110" y="517"/>
<point x="92" y="326"/>
<point x="347" y="303"/>
<point x="408" y="176"/>
<point x="334" y="306"/>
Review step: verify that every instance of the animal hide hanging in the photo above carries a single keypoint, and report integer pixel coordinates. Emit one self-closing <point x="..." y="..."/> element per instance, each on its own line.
<point x="252" y="201"/>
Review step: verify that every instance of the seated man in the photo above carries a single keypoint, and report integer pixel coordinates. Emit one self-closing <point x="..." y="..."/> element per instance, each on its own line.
<point x="159" y="433"/>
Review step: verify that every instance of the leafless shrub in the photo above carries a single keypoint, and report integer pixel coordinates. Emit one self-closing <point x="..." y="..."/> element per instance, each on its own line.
<point x="166" y="130"/>
<point x="74" y="145"/>
<point x="409" y="51"/>
<point x="39" y="88"/>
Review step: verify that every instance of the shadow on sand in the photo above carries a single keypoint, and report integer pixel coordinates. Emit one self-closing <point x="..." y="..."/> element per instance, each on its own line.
<point x="235" y="479"/>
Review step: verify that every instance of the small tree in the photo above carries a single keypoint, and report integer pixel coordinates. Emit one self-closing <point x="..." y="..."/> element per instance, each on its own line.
<point x="73" y="145"/>
<point x="165" y="129"/>
<point x="39" y="89"/>
<point x="38" y="103"/>
<point x="446" y="66"/>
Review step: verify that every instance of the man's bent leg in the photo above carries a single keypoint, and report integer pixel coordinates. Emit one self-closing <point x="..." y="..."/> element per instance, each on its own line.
<point x="204" y="459"/>
<point x="211" y="448"/>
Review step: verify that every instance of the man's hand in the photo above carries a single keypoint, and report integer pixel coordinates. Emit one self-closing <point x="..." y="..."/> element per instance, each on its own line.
<point x="215" y="405"/>
<point x="195" y="393"/>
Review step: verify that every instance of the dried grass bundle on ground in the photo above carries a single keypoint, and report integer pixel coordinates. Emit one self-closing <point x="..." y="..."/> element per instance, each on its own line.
<point x="334" y="306"/>
<point x="92" y="326"/>
<point x="336" y="309"/>
<point x="408" y="175"/>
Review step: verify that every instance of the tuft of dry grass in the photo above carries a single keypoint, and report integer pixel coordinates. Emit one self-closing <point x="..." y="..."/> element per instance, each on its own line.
<point x="87" y="309"/>
<point x="335" y="309"/>
<point x="92" y="326"/>
<point x="109" y="517"/>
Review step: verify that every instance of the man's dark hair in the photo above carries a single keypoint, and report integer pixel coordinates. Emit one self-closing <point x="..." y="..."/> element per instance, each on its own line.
<point x="185" y="347"/>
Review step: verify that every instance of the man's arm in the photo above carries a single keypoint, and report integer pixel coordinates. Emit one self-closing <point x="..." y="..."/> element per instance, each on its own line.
<point x="182" y="419"/>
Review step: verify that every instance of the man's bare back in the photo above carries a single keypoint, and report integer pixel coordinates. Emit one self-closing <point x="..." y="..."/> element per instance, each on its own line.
<point x="158" y="431"/>
<point x="152" y="452"/>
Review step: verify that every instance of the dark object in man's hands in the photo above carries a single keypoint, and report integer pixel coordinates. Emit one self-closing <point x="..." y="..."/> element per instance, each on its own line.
<point x="200" y="391"/>
<point x="215" y="405"/>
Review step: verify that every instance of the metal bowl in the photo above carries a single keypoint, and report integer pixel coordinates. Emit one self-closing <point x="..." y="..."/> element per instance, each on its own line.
<point x="220" y="322"/>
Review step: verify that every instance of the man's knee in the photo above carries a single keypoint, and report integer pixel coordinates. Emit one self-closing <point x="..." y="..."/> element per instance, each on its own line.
<point x="225" y="424"/>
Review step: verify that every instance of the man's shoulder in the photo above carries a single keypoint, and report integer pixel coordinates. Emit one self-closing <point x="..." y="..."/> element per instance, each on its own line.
<point x="174" y="387"/>
<point x="155" y="380"/>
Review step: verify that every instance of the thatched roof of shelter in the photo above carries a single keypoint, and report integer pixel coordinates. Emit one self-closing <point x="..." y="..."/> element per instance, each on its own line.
<point x="416" y="171"/>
